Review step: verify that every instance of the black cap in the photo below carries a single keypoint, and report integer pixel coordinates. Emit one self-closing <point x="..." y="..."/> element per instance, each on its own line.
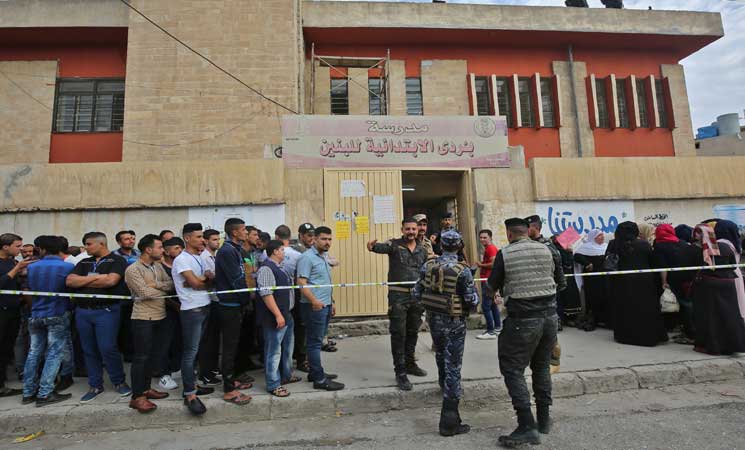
<point x="189" y="227"/>
<point x="448" y="215"/>
<point x="533" y="219"/>
<point x="174" y="241"/>
<point x="306" y="228"/>
<point x="516" y="222"/>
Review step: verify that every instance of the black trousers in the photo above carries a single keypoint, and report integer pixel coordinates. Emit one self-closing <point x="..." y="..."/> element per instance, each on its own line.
<point x="209" y="347"/>
<point x="10" y="322"/>
<point x="125" y="339"/>
<point x="149" y="345"/>
<point x="168" y="360"/>
<point x="299" y="352"/>
<point x="231" y="325"/>
<point x="523" y="343"/>
<point x="404" y="318"/>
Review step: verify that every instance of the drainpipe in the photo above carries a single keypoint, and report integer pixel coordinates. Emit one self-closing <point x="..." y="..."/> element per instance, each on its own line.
<point x="575" y="106"/>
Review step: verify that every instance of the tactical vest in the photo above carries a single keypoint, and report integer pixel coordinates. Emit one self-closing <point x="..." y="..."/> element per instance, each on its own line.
<point x="440" y="289"/>
<point x="529" y="270"/>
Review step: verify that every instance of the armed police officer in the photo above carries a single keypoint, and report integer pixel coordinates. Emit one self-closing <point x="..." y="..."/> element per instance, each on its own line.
<point x="447" y="292"/>
<point x="406" y="257"/>
<point x="526" y="274"/>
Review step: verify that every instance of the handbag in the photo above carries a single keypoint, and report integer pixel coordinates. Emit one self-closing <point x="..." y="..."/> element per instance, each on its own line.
<point x="668" y="302"/>
<point x="610" y="264"/>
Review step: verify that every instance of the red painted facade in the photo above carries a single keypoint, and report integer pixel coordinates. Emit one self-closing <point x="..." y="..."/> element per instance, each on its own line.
<point x="82" y="53"/>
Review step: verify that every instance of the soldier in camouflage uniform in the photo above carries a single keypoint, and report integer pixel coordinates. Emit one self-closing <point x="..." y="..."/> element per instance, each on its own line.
<point x="447" y="291"/>
<point x="405" y="258"/>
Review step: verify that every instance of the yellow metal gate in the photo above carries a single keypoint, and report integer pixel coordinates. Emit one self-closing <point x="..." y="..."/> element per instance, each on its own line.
<point x="356" y="264"/>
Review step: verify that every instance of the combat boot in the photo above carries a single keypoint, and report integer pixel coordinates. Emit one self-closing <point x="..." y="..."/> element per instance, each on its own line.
<point x="450" y="423"/>
<point x="544" y="419"/>
<point x="525" y="433"/>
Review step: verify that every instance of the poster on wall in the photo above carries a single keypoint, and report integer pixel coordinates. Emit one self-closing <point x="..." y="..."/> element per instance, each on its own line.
<point x="559" y="216"/>
<point x="394" y="141"/>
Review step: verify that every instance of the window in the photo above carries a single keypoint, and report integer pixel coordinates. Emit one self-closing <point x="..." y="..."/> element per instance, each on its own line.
<point x="504" y="99"/>
<point x="483" y="102"/>
<point x="547" y="102"/>
<point x="526" y="102"/>
<point x="602" y="98"/>
<point x="661" y="105"/>
<point x="376" y="99"/>
<point x="414" y="105"/>
<point x="623" y="110"/>
<point x="339" y="96"/>
<point x="86" y="106"/>
<point x="641" y="99"/>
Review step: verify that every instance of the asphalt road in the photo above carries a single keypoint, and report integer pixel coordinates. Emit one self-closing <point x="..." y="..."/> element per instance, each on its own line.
<point x="691" y="417"/>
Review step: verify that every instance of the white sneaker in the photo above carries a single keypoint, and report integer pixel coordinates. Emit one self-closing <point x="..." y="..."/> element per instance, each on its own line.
<point x="487" y="336"/>
<point x="166" y="382"/>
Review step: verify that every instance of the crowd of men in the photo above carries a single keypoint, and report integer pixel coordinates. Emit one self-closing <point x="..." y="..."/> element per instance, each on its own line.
<point x="208" y="309"/>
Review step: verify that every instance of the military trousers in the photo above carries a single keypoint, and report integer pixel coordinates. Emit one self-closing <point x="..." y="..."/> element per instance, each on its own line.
<point x="405" y="319"/>
<point x="449" y="339"/>
<point x="528" y="342"/>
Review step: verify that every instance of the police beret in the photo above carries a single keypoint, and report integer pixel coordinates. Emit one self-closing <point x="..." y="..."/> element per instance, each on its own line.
<point x="516" y="222"/>
<point x="533" y="219"/>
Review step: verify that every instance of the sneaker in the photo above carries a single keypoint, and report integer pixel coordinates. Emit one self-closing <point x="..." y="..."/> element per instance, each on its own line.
<point x="209" y="380"/>
<point x="487" y="336"/>
<point x="328" y="385"/>
<point x="28" y="400"/>
<point x="403" y="382"/>
<point x="195" y="406"/>
<point x="166" y="382"/>
<point x="123" y="390"/>
<point x="91" y="395"/>
<point x="204" y="390"/>
<point x="51" y="399"/>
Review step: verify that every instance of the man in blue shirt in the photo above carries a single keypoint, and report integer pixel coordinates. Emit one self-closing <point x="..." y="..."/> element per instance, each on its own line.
<point x="49" y="325"/>
<point x="317" y="306"/>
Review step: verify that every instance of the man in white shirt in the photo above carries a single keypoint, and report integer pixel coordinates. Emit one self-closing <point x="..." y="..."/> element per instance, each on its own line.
<point x="209" y="347"/>
<point x="192" y="282"/>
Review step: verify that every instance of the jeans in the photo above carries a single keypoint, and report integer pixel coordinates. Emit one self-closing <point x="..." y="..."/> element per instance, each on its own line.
<point x="209" y="348"/>
<point x="231" y="323"/>
<point x="490" y="308"/>
<point x="449" y="339"/>
<point x="193" y="322"/>
<point x="10" y="319"/>
<point x="316" y="326"/>
<point x="278" y="345"/>
<point x="405" y="318"/>
<point x="67" y="368"/>
<point x="526" y="342"/>
<point x="48" y="335"/>
<point x="149" y="336"/>
<point x="98" y="330"/>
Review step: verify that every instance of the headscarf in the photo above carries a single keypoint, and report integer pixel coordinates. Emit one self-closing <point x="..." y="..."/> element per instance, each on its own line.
<point x="684" y="233"/>
<point x="646" y="232"/>
<point x="665" y="233"/>
<point x="708" y="243"/>
<point x="591" y="248"/>
<point x="726" y="229"/>
<point x="625" y="234"/>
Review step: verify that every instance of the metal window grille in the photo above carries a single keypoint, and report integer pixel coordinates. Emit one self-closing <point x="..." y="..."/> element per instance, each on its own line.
<point x="526" y="102"/>
<point x="339" y="96"/>
<point x="504" y="99"/>
<point x="603" y="119"/>
<point x="483" y="105"/>
<point x="376" y="99"/>
<point x="623" y="110"/>
<point x="641" y="99"/>
<point x="414" y="105"/>
<point x="547" y="102"/>
<point x="661" y="105"/>
<point x="89" y="105"/>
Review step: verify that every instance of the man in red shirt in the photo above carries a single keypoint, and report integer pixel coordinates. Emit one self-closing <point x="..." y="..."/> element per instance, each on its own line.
<point x="488" y="304"/>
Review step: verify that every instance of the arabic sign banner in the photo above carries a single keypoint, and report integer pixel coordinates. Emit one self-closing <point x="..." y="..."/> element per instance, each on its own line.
<point x="557" y="217"/>
<point x="394" y="141"/>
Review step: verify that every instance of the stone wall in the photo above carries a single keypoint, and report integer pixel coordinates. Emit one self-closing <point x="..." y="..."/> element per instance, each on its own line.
<point x="445" y="87"/>
<point x="683" y="132"/>
<point x="568" y="130"/>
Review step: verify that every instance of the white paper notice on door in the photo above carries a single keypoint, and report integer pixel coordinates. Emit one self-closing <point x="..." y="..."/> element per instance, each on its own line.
<point x="352" y="188"/>
<point x="383" y="209"/>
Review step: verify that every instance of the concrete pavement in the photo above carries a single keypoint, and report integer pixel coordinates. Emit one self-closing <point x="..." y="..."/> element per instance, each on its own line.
<point x="591" y="363"/>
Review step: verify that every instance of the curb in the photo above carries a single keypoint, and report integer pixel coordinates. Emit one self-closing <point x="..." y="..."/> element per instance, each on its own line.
<point x="380" y="326"/>
<point x="476" y="393"/>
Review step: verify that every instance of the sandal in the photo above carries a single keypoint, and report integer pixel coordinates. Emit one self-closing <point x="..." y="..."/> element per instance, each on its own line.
<point x="240" y="385"/>
<point x="329" y="348"/>
<point x="293" y="379"/>
<point x="240" y="399"/>
<point x="280" y="392"/>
